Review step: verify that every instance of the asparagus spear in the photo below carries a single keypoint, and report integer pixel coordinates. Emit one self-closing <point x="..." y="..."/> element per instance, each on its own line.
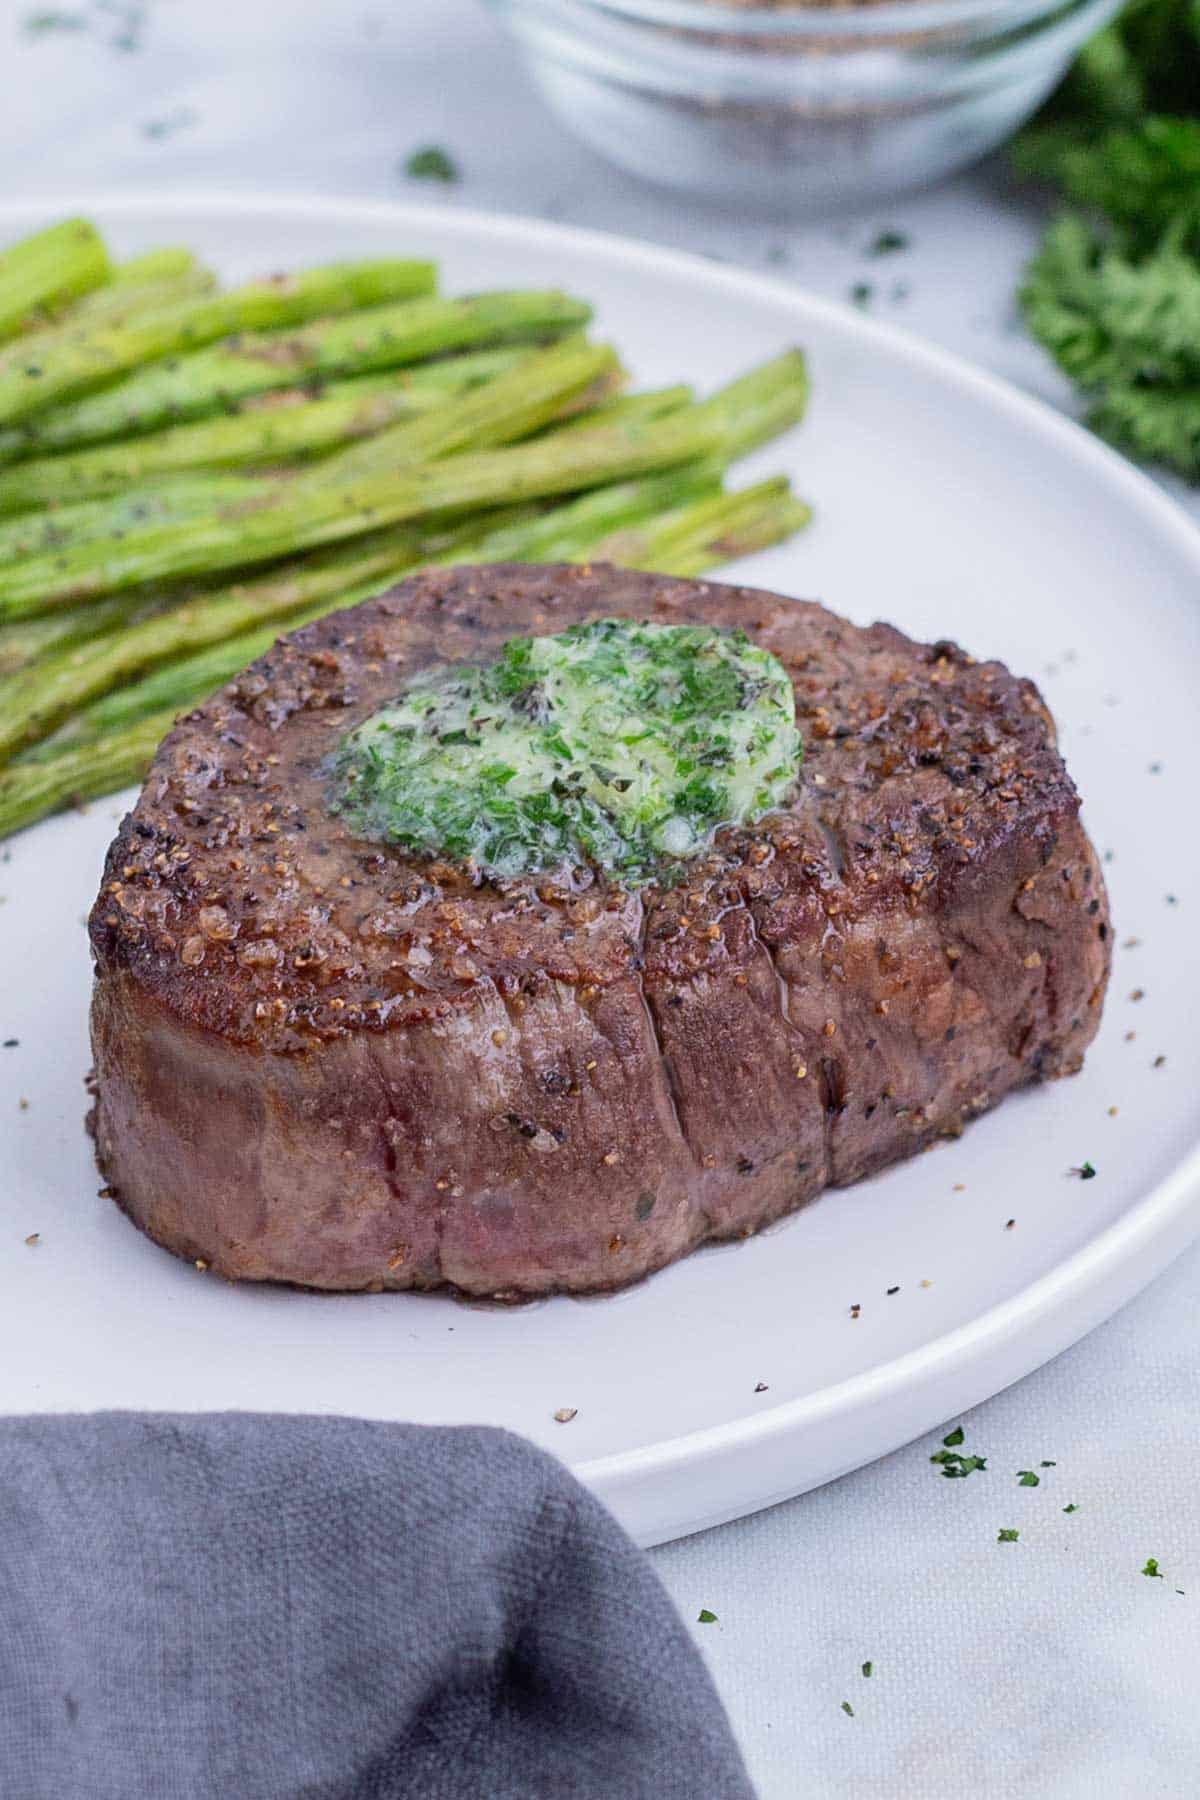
<point x="537" y="389"/>
<point x="23" y="643"/>
<point x="68" y="527"/>
<point x="119" y="299"/>
<point x="720" y="528"/>
<point x="76" y="672"/>
<point x="304" y="511"/>
<point x="53" y="265"/>
<point x="531" y="394"/>
<point x="67" y="362"/>
<point x="161" y="264"/>
<point x="34" y="789"/>
<point x="574" y="527"/>
<point x="270" y="428"/>
<point x="44" y="694"/>
<point x="759" y="405"/>
<point x="174" y="685"/>
<point x="217" y="377"/>
<point x="506" y="406"/>
<point x="655" y="403"/>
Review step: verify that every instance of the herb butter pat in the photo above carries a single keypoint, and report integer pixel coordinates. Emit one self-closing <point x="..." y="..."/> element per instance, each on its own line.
<point x="621" y="745"/>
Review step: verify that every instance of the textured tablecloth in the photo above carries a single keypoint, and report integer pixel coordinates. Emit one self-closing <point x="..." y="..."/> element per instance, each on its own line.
<point x="1050" y="1667"/>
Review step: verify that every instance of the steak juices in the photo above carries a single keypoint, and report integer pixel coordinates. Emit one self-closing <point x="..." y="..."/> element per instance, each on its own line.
<point x="326" y="1054"/>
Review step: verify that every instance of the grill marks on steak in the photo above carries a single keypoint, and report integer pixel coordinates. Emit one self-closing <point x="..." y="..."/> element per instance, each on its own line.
<point x="543" y="1087"/>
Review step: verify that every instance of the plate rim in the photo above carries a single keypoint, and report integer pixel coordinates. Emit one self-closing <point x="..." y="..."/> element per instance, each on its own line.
<point x="1129" y="1239"/>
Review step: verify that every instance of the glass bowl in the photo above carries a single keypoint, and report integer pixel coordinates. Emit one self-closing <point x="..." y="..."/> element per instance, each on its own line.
<point x="797" y="109"/>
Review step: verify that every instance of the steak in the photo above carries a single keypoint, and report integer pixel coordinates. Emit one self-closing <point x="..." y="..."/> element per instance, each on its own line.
<point x="322" y="1060"/>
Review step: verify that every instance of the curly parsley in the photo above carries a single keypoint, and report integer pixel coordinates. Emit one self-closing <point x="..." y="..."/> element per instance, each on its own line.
<point x="1114" y="292"/>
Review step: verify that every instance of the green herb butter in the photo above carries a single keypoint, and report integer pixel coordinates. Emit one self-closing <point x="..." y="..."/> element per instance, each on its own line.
<point x="615" y="744"/>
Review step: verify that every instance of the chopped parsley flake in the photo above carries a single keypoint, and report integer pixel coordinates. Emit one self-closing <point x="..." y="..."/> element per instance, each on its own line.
<point x="179" y="120"/>
<point x="1027" y="1478"/>
<point x="1007" y="1535"/>
<point x="616" y="744"/>
<point x="1152" y="1569"/>
<point x="1047" y="1465"/>
<point x="861" y="293"/>
<point x="41" y="24"/>
<point x="1085" y="1172"/>
<point x="704" y="1617"/>
<point x="431" y="163"/>
<point x="868" y="1670"/>
<point x="847" y="1709"/>
<point x="888" y="242"/>
<point x="955" y="1466"/>
<point x="1072" y="1508"/>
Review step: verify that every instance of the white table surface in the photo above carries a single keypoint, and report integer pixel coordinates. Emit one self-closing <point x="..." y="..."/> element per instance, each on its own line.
<point x="1050" y="1668"/>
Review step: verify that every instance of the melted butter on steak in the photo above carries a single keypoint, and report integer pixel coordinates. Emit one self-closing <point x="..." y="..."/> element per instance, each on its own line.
<point x="615" y="745"/>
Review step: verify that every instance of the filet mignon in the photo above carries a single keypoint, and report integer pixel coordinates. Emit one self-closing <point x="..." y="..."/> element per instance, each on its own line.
<point x="320" y="1060"/>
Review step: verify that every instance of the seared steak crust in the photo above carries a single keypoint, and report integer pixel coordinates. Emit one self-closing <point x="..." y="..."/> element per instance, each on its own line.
<point x="322" y="1061"/>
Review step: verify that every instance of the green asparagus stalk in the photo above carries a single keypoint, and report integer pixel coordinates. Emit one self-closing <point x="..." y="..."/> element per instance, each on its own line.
<point x="292" y="595"/>
<point x="295" y="515"/>
<point x="21" y="644"/>
<point x="655" y="403"/>
<point x="516" y="403"/>
<point x="144" y="629"/>
<point x="270" y="429"/>
<point x="175" y="685"/>
<point x="215" y="378"/>
<point x="759" y="405"/>
<point x="54" y="265"/>
<point x="242" y="440"/>
<point x="537" y="389"/>
<point x="573" y="528"/>
<point x="59" y="683"/>
<point x="304" y="511"/>
<point x="718" y="529"/>
<point x="119" y="299"/>
<point x="122" y="300"/>
<point x="66" y="362"/>
<point x="64" y="528"/>
<point x="29" y="792"/>
<point x="162" y="264"/>
<point x="511" y="404"/>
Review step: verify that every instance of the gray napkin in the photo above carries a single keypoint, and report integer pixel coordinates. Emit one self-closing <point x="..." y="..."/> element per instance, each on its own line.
<point x="239" y="1607"/>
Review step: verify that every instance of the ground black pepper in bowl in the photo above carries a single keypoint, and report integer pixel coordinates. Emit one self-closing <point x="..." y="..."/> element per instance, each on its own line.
<point x="790" y="108"/>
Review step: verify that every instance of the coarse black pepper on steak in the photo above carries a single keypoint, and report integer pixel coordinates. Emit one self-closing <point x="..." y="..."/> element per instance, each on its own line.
<point x="321" y="1060"/>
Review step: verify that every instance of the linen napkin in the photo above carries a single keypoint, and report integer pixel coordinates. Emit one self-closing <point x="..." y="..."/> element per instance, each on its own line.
<point x="242" y="1607"/>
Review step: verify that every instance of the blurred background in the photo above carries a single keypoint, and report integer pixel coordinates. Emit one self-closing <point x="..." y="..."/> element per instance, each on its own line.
<point x="317" y="97"/>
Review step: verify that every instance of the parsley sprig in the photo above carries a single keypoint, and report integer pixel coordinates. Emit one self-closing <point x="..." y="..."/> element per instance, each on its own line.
<point x="1114" y="291"/>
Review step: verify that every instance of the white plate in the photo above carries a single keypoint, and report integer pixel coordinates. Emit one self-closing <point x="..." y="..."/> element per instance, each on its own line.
<point x="945" y="502"/>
